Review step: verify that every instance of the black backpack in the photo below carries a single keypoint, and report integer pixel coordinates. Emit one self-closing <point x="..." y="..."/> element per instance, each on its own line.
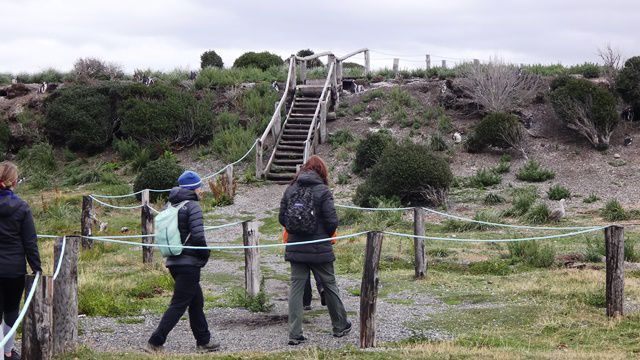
<point x="300" y="217"/>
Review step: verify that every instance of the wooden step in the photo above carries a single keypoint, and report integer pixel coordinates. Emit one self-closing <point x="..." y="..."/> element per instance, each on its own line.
<point x="283" y="168"/>
<point x="302" y="115"/>
<point x="288" y="154"/>
<point x="293" y="131"/>
<point x="291" y="137"/>
<point x="292" y="143"/>
<point x="298" y="126"/>
<point x="289" y="148"/>
<point x="280" y="178"/>
<point x="298" y="120"/>
<point x="285" y="162"/>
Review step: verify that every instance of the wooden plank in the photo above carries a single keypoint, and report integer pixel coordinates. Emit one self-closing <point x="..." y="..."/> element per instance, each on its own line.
<point x="367" y="63"/>
<point x="65" y="296"/>
<point x="614" y="249"/>
<point x="418" y="243"/>
<point x="251" y="258"/>
<point x="36" y="327"/>
<point x="85" y="221"/>
<point x="146" y="219"/>
<point x="369" y="290"/>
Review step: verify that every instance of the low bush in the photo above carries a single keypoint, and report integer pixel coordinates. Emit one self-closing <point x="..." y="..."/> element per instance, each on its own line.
<point x="461" y="225"/>
<point x="437" y="143"/>
<point x="340" y="138"/>
<point x="369" y="150"/>
<point x="262" y="60"/>
<point x="159" y="174"/>
<point x="409" y="172"/>
<point x="499" y="130"/>
<point x="490" y="267"/>
<point x="558" y="192"/>
<point x="533" y="172"/>
<point x="591" y="199"/>
<point x="484" y="178"/>
<point x="538" y="214"/>
<point x="493" y="199"/>
<point x="210" y="58"/>
<point x="213" y="77"/>
<point x="232" y="143"/>
<point x="586" y="108"/>
<point x="613" y="211"/>
<point x="523" y="199"/>
<point x="587" y="70"/>
<point x="531" y="253"/>
<point x="628" y="84"/>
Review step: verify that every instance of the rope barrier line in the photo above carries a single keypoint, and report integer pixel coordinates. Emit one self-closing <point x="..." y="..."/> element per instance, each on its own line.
<point x="372" y="209"/>
<point x="57" y="272"/>
<point x="497" y="240"/>
<point x="48" y="236"/>
<point x="23" y="312"/>
<point x="94" y="196"/>
<point x="508" y="225"/>
<point x="226" y="247"/>
<point x="213" y="227"/>
<point x="128" y="207"/>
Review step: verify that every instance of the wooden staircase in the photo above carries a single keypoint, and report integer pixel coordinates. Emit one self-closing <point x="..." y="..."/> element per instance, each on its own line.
<point x="289" y="150"/>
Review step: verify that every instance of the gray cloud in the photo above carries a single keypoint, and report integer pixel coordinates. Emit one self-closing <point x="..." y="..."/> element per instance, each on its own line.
<point x="164" y="34"/>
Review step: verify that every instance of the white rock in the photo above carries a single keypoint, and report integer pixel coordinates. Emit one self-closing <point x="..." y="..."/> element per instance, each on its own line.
<point x="616" y="156"/>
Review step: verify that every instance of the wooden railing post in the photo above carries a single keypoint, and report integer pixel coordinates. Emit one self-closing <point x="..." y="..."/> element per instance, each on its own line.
<point x="259" y="161"/>
<point x="36" y="328"/>
<point x="339" y="73"/>
<point x="228" y="180"/>
<point x="85" y="221"/>
<point x="444" y="64"/>
<point x="418" y="243"/>
<point x="277" y="125"/>
<point x="369" y="290"/>
<point x="396" y="65"/>
<point x="251" y="258"/>
<point x="65" y="296"/>
<point x="147" y="228"/>
<point x="334" y="78"/>
<point x="293" y="81"/>
<point x="323" y="122"/>
<point x="367" y="63"/>
<point x="428" y="61"/>
<point x="303" y="72"/>
<point x="614" y="248"/>
<point x="476" y="62"/>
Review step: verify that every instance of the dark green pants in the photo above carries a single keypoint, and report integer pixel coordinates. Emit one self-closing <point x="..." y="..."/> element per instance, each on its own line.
<point x="299" y="275"/>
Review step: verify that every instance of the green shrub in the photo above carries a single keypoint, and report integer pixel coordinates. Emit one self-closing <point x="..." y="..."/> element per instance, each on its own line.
<point x="343" y="178"/>
<point x="588" y="70"/>
<point x="444" y="124"/>
<point x="5" y="78"/>
<point x="232" y="143"/>
<point x="613" y="211"/>
<point x="82" y="117"/>
<point x="213" y="77"/>
<point x="490" y="267"/>
<point x="595" y="250"/>
<point x="358" y="108"/>
<point x="532" y="172"/>
<point x="499" y="130"/>
<point x="374" y="94"/>
<point x="557" y="192"/>
<point x="314" y="62"/>
<point x="127" y="149"/>
<point x="461" y="225"/>
<point x="493" y="199"/>
<point x="630" y="250"/>
<point x="591" y="199"/>
<point x="49" y="75"/>
<point x="259" y="303"/>
<point x="38" y="159"/>
<point x="523" y="199"/>
<point x="262" y="60"/>
<point x="369" y="150"/>
<point x="258" y="103"/>
<point x="586" y="108"/>
<point x="159" y="174"/>
<point x="538" y="214"/>
<point x="628" y="84"/>
<point x="531" y="253"/>
<point x="437" y="143"/>
<point x="545" y="70"/>
<point x="595" y="298"/>
<point x="340" y="138"/>
<point x="409" y="172"/>
<point x="210" y="58"/>
<point x="484" y="178"/>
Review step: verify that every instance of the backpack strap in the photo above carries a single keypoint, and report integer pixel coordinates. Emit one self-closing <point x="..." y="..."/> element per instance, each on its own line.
<point x="179" y="206"/>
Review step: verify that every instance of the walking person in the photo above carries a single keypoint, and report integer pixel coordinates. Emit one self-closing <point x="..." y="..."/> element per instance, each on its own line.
<point x="18" y="245"/>
<point x="185" y="269"/>
<point x="308" y="213"/>
<point x="308" y="296"/>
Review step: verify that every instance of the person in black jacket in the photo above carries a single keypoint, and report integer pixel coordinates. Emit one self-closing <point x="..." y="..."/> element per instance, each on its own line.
<point x="18" y="245"/>
<point x="316" y="257"/>
<point x="185" y="269"/>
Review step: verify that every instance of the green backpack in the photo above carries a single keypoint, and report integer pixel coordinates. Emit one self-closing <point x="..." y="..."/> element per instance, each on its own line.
<point x="167" y="232"/>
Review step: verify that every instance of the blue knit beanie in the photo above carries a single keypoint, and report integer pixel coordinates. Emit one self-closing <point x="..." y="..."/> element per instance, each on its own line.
<point x="189" y="180"/>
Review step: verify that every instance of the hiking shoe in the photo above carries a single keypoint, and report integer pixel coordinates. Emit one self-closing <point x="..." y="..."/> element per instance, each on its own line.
<point x="153" y="349"/>
<point x="343" y="332"/>
<point x="297" y="341"/>
<point x="307" y="307"/>
<point x="14" y="355"/>
<point x="211" y="346"/>
<point x="323" y="301"/>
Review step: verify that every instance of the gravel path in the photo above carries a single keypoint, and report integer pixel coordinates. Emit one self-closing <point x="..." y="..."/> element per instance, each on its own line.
<point x="242" y="330"/>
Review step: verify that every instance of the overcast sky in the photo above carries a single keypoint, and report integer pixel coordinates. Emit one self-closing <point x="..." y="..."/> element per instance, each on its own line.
<point x="165" y="34"/>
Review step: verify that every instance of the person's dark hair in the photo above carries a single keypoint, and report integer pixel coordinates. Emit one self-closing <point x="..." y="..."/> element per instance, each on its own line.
<point x="315" y="163"/>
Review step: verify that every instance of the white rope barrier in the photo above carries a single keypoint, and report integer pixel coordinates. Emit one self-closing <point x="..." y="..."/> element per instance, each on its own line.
<point x="23" y="312"/>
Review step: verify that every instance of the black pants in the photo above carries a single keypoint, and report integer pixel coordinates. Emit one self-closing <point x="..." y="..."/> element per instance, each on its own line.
<point x="306" y="297"/>
<point x="186" y="294"/>
<point x="11" y="290"/>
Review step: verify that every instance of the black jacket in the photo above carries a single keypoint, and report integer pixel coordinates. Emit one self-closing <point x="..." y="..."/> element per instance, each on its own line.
<point x="189" y="222"/>
<point x="315" y="253"/>
<point x="18" y="237"/>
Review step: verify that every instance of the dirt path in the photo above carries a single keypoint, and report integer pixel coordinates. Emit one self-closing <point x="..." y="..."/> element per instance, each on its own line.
<point x="242" y="330"/>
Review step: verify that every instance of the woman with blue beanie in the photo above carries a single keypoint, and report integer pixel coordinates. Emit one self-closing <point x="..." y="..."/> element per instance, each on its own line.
<point x="185" y="269"/>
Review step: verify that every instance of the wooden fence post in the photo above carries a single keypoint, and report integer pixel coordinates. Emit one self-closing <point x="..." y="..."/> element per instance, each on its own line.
<point x="476" y="62"/>
<point x="418" y="243"/>
<point x="251" y="258"/>
<point x="259" y="162"/>
<point x="323" y="122"/>
<point x="614" y="248"/>
<point x="396" y="65"/>
<point x="228" y="179"/>
<point x="444" y="64"/>
<point x="65" y="296"/>
<point x="85" y="221"/>
<point x="36" y="327"/>
<point x="367" y="63"/>
<point x="303" y="72"/>
<point x="277" y="125"/>
<point x="293" y="81"/>
<point x="428" y="61"/>
<point x="369" y="290"/>
<point x="339" y="73"/>
<point x="147" y="228"/>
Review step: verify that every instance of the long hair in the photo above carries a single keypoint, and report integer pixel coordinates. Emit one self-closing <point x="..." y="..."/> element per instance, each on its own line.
<point x="8" y="174"/>
<point x="315" y="163"/>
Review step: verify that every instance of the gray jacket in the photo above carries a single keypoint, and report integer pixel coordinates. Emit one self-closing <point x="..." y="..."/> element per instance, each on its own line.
<point x="327" y="217"/>
<point x="191" y="228"/>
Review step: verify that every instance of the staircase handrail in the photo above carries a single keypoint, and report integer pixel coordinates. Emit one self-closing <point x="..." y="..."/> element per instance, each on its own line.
<point x="314" y="56"/>
<point x="313" y="126"/>
<point x="352" y="54"/>
<point x="278" y="109"/>
<point x="279" y="137"/>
